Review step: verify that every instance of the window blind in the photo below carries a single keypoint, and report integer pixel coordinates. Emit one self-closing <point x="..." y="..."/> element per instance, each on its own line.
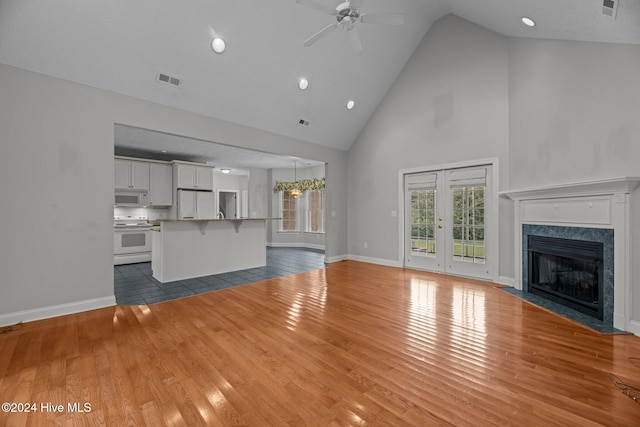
<point x="476" y="177"/>
<point x="421" y="181"/>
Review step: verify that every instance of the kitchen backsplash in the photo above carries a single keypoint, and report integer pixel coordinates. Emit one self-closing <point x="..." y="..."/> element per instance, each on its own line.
<point x="151" y="214"/>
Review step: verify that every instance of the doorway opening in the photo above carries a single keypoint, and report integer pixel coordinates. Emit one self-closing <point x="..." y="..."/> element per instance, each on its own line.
<point x="228" y="204"/>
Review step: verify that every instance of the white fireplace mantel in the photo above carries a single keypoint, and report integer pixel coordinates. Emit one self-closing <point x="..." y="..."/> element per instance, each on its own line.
<point x="600" y="204"/>
<point x="622" y="185"/>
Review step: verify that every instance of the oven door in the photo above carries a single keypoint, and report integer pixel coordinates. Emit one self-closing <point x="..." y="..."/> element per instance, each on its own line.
<point x="132" y="242"/>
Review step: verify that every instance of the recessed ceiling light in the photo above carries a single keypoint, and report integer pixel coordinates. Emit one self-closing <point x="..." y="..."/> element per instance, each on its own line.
<point x="218" y="45"/>
<point x="350" y="104"/>
<point x="163" y="151"/>
<point x="303" y="83"/>
<point x="225" y="170"/>
<point x="528" y="21"/>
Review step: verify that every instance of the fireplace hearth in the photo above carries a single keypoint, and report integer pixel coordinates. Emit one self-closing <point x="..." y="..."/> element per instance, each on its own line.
<point x="569" y="272"/>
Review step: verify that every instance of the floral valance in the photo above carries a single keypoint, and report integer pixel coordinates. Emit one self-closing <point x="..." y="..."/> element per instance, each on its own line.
<point x="303" y="185"/>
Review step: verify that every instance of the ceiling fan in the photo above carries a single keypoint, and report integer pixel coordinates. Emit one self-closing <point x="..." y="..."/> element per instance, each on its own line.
<point x="347" y="15"/>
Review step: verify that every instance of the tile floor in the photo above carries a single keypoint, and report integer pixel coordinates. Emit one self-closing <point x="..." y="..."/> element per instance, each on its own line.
<point x="134" y="284"/>
<point x="565" y="311"/>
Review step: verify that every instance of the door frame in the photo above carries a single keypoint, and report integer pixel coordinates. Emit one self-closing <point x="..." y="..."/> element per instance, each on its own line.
<point x="493" y="222"/>
<point x="237" y="193"/>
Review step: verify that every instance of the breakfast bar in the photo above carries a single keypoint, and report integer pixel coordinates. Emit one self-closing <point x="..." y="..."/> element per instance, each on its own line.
<point x="188" y="248"/>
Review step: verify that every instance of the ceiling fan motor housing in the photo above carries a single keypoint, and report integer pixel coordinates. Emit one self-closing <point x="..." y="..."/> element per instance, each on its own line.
<point x="346" y="13"/>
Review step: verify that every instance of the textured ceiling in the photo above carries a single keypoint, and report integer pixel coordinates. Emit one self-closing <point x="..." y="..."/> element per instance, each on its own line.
<point x="146" y="144"/>
<point x="121" y="45"/>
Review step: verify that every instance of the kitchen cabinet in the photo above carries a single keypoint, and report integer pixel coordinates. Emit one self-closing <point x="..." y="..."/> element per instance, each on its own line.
<point x="193" y="177"/>
<point x="131" y="175"/>
<point x="160" y="184"/>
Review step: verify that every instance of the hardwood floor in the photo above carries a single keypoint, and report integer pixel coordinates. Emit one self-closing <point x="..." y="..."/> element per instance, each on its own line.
<point x="354" y="344"/>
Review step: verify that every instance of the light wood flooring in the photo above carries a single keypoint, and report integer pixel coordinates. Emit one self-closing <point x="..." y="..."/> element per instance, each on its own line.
<point x="353" y="344"/>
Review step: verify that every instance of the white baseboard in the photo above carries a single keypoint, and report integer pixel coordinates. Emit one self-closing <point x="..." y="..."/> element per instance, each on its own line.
<point x="379" y="261"/>
<point x="295" y="245"/>
<point x="508" y="281"/>
<point x="334" y="259"/>
<point x="56" y="310"/>
<point x="634" y="327"/>
<point x="285" y="245"/>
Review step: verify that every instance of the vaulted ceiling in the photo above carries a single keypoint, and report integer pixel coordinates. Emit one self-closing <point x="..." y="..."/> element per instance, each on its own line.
<point x="122" y="45"/>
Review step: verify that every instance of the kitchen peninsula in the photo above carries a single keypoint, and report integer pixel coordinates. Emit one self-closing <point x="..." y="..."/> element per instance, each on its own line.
<point x="187" y="248"/>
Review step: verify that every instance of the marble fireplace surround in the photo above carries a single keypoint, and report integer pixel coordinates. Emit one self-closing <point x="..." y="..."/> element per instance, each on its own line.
<point x="591" y="204"/>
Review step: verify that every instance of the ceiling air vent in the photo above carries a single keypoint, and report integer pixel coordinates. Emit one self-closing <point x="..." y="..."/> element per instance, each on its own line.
<point x="167" y="79"/>
<point x="303" y="122"/>
<point x="610" y="8"/>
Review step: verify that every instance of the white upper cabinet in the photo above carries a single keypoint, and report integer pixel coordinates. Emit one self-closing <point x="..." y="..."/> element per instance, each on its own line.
<point x="161" y="185"/>
<point x="204" y="178"/>
<point x="131" y="175"/>
<point x="193" y="177"/>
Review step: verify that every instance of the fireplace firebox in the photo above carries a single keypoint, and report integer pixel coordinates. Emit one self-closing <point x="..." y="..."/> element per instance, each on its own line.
<point x="567" y="271"/>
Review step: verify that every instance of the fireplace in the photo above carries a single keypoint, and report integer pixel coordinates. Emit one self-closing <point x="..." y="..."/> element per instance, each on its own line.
<point x="572" y="266"/>
<point x="593" y="211"/>
<point x="569" y="272"/>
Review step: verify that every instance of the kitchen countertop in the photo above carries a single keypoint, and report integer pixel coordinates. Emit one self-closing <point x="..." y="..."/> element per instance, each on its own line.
<point x="157" y="221"/>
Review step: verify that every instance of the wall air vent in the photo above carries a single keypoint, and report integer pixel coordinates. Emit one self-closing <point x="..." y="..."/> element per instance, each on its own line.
<point x="610" y="8"/>
<point x="167" y="79"/>
<point x="303" y="122"/>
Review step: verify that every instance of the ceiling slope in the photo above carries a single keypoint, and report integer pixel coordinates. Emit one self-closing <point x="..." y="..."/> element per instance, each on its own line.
<point x="122" y="45"/>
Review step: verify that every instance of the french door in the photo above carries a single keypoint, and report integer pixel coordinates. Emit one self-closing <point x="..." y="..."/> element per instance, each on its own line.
<point x="446" y="221"/>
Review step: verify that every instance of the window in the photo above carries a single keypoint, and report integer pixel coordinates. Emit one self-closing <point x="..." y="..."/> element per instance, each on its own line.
<point x="288" y="212"/>
<point x="423" y="222"/>
<point x="315" y="211"/>
<point x="468" y="224"/>
<point x="421" y="192"/>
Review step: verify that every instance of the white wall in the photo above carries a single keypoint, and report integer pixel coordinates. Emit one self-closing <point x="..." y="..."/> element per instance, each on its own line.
<point x="449" y="104"/>
<point x="230" y="182"/>
<point x="259" y="194"/>
<point x="56" y="180"/>
<point x="574" y="111"/>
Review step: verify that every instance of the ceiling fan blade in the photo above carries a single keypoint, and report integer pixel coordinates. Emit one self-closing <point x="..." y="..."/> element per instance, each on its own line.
<point x="320" y="34"/>
<point x="383" y="18"/>
<point x="313" y="4"/>
<point x="354" y="39"/>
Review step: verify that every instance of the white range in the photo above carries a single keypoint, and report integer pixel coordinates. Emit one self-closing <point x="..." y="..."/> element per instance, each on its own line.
<point x="131" y="239"/>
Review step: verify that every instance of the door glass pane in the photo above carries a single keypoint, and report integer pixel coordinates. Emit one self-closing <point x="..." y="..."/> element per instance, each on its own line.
<point x="468" y="224"/>
<point x="423" y="222"/>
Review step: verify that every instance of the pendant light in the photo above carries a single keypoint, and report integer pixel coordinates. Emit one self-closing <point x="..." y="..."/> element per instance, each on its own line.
<point x="295" y="191"/>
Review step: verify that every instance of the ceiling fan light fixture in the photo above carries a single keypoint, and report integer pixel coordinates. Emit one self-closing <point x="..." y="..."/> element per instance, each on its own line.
<point x="528" y="21"/>
<point x="350" y="104"/>
<point x="218" y="45"/>
<point x="303" y="83"/>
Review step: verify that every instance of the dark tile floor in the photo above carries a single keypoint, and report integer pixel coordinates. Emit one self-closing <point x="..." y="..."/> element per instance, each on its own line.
<point x="134" y="284"/>
<point x="565" y="311"/>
